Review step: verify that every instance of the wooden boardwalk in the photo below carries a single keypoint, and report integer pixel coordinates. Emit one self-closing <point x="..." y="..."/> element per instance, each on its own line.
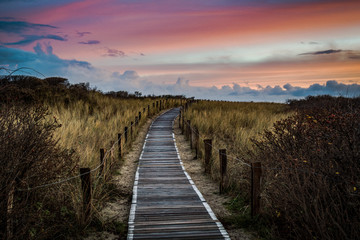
<point x="166" y="204"/>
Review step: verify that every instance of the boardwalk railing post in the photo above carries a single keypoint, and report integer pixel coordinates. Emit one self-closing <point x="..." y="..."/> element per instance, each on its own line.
<point x="111" y="161"/>
<point x="119" y="146"/>
<point x="223" y="165"/>
<point x="208" y="153"/>
<point x="131" y="130"/>
<point x="183" y="125"/>
<point x="160" y="105"/>
<point x="101" y="168"/>
<point x="139" y="116"/>
<point x="180" y="118"/>
<point x="255" y="188"/>
<point x="196" y="141"/>
<point x="126" y="134"/>
<point x="157" y="106"/>
<point x="86" y="190"/>
<point x="188" y="132"/>
<point x="148" y="110"/>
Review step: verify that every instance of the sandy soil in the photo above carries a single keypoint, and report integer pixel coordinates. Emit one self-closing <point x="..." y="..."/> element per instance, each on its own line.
<point x="118" y="209"/>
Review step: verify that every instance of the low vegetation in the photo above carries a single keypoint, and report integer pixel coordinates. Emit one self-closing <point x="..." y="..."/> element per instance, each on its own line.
<point x="309" y="150"/>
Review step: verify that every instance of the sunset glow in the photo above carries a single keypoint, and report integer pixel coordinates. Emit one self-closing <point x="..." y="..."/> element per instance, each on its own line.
<point x="186" y="47"/>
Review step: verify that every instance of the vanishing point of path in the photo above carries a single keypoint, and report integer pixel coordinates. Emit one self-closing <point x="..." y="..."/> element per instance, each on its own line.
<point x="166" y="203"/>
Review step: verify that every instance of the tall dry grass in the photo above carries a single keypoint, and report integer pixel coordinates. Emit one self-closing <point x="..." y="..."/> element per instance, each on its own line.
<point x="309" y="156"/>
<point x="231" y="126"/>
<point x="86" y="120"/>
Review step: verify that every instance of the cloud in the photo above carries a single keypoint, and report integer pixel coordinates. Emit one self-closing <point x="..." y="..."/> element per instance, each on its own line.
<point x="81" y="34"/>
<point x="27" y="39"/>
<point x="128" y="75"/>
<point x="330" y="51"/>
<point x="90" y="42"/>
<point x="114" y="53"/>
<point x="29" y="32"/>
<point x="350" y="54"/>
<point x="131" y="81"/>
<point x="310" y="43"/>
<point x="43" y="60"/>
<point x="21" y="26"/>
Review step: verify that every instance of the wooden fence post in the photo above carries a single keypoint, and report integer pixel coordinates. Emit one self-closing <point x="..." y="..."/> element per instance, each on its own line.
<point x="119" y="145"/>
<point x="183" y="125"/>
<point x="101" y="168"/>
<point x="160" y="104"/>
<point x="126" y="134"/>
<point x="223" y="165"/>
<point x="136" y="121"/>
<point x="139" y="116"/>
<point x="255" y="188"/>
<point x="196" y="141"/>
<point x="111" y="161"/>
<point x="157" y="106"/>
<point x="180" y="118"/>
<point x="148" y="110"/>
<point x="208" y="153"/>
<point x="188" y="132"/>
<point x="131" y="130"/>
<point x="86" y="190"/>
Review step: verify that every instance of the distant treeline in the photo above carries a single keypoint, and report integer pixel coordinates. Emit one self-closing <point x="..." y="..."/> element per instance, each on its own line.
<point x="30" y="89"/>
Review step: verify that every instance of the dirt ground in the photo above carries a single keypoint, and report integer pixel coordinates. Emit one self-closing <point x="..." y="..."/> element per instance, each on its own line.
<point x="118" y="210"/>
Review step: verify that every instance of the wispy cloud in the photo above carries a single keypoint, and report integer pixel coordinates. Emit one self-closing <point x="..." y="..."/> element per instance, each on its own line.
<point x="81" y="34"/>
<point x="351" y="54"/>
<point x="310" y="43"/>
<point x="114" y="53"/>
<point x="329" y="51"/>
<point x="90" y="42"/>
<point x="22" y="26"/>
<point x="27" y="39"/>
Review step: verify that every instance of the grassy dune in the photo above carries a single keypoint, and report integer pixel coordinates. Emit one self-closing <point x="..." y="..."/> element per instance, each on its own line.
<point x="309" y="153"/>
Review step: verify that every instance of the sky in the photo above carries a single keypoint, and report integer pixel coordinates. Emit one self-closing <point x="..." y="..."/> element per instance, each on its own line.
<point x="236" y="50"/>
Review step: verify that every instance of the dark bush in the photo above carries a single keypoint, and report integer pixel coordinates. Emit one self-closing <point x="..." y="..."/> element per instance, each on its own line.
<point x="311" y="170"/>
<point x="30" y="157"/>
